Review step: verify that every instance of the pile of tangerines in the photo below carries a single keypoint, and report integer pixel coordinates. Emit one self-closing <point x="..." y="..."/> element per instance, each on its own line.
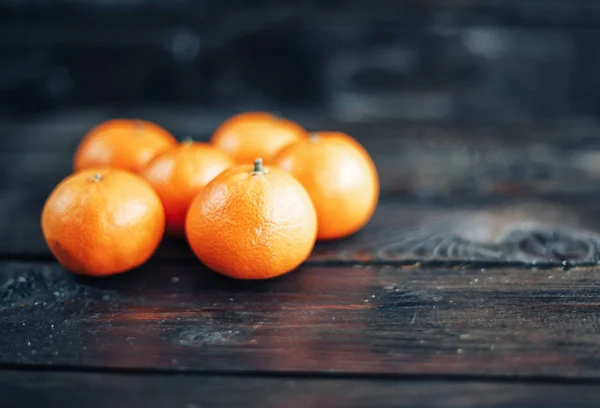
<point x="251" y="203"/>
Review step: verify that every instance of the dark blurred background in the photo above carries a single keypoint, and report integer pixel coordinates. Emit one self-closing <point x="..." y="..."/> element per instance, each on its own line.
<point x="452" y="98"/>
<point x="463" y="60"/>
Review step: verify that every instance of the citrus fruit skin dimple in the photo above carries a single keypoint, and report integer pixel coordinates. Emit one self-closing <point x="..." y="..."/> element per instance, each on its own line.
<point x="179" y="174"/>
<point x="122" y="144"/>
<point x="102" y="222"/>
<point x="249" y="224"/>
<point x="340" y="177"/>
<point x="249" y="135"/>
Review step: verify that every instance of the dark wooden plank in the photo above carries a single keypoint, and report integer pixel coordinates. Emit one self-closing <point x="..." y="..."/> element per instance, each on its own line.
<point x="376" y="320"/>
<point x="75" y="390"/>
<point x="61" y="130"/>
<point x="509" y="231"/>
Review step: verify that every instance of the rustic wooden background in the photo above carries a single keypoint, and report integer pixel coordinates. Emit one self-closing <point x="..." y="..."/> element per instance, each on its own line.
<point x="475" y="284"/>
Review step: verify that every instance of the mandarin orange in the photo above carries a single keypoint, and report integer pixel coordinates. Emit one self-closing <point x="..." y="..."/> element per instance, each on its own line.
<point x="123" y="144"/>
<point x="101" y="222"/>
<point x="179" y="174"/>
<point x="249" y="135"/>
<point x="340" y="177"/>
<point x="252" y="222"/>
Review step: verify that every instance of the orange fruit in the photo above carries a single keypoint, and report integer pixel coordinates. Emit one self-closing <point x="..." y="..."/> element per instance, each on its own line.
<point x="123" y="144"/>
<point x="256" y="134"/>
<point x="102" y="222"/>
<point x="252" y="222"/>
<point x="179" y="174"/>
<point x="340" y="178"/>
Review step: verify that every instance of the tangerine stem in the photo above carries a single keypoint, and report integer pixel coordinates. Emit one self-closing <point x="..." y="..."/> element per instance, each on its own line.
<point x="258" y="166"/>
<point x="97" y="177"/>
<point x="313" y="137"/>
<point x="187" y="141"/>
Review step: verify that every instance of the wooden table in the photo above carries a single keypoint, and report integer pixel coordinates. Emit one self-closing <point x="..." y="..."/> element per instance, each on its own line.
<point x="475" y="284"/>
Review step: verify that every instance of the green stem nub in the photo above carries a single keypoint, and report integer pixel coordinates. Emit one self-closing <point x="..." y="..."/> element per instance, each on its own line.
<point x="96" y="178"/>
<point x="258" y="166"/>
<point x="187" y="141"/>
<point x="313" y="137"/>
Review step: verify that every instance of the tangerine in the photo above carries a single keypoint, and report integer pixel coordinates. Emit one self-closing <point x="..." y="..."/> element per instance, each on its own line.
<point x="122" y="143"/>
<point x="340" y="177"/>
<point x="101" y="222"/>
<point x="249" y="135"/>
<point x="252" y="222"/>
<point x="179" y="174"/>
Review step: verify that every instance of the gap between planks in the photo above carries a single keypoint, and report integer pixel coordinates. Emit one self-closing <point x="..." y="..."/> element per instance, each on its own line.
<point x="300" y="375"/>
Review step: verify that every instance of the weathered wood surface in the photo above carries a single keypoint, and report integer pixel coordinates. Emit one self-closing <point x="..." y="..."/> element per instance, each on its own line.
<point x="91" y="390"/>
<point x="480" y="262"/>
<point x="363" y="320"/>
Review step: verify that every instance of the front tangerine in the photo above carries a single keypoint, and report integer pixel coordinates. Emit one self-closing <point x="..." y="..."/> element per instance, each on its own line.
<point x="252" y="222"/>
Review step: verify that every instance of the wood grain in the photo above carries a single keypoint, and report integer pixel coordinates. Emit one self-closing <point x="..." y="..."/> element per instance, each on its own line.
<point x="91" y="390"/>
<point x="530" y="233"/>
<point x="376" y="320"/>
